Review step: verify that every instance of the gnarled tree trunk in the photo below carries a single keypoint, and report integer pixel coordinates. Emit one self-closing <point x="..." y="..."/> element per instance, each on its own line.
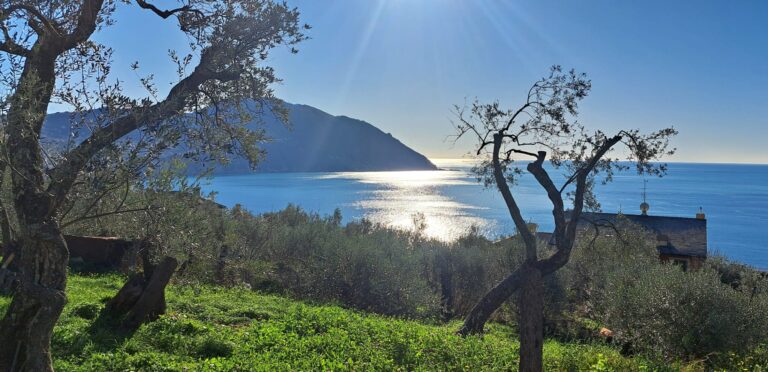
<point x="26" y="329"/>
<point x="142" y="298"/>
<point x="529" y="276"/>
<point x="531" y="323"/>
<point x="8" y="266"/>
<point x="530" y="281"/>
<point x="482" y="311"/>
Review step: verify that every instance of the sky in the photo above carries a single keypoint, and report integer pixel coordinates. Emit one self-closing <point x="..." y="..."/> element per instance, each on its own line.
<point x="401" y="65"/>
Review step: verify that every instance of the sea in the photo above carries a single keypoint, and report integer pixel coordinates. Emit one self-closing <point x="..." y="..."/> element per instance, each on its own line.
<point x="734" y="198"/>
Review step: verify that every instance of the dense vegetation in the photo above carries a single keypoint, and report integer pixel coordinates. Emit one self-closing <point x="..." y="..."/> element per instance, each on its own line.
<point x="215" y="329"/>
<point x="711" y="317"/>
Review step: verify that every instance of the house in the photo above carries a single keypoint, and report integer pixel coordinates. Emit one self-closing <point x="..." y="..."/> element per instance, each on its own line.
<point x="679" y="240"/>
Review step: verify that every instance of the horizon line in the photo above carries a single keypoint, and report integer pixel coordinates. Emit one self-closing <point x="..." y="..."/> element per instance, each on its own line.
<point x="668" y="162"/>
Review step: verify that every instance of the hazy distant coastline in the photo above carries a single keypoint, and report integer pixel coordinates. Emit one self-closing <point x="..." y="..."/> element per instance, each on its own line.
<point x="315" y="141"/>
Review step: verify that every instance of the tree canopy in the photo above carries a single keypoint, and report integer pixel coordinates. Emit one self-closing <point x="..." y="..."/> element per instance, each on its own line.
<point x="48" y="54"/>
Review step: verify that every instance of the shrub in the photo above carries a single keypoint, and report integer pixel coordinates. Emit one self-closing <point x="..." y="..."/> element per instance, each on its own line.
<point x="463" y="271"/>
<point x="313" y="257"/>
<point x="573" y="294"/>
<point x="614" y="281"/>
<point x="668" y="312"/>
<point x="739" y="276"/>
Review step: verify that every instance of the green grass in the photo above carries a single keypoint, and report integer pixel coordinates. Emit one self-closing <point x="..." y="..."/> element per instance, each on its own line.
<point x="215" y="329"/>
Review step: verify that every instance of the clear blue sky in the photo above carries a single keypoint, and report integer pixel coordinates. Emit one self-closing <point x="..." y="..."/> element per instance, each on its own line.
<point x="701" y="66"/>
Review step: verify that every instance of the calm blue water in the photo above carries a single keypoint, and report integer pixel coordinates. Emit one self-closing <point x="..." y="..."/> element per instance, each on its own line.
<point x="734" y="198"/>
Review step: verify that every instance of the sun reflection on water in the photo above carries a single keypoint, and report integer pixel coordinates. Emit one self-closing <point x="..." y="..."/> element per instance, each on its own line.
<point x="396" y="197"/>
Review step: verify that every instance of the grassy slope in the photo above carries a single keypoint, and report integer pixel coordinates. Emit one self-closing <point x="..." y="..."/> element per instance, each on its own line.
<point x="230" y="329"/>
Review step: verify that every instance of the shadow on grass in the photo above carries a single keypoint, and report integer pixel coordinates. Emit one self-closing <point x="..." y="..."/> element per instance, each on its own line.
<point x="103" y="334"/>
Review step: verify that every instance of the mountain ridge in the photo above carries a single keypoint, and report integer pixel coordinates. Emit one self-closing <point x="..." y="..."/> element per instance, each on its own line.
<point x="315" y="142"/>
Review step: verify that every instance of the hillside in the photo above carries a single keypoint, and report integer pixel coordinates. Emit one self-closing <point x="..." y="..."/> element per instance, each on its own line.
<point x="217" y="329"/>
<point x="315" y="142"/>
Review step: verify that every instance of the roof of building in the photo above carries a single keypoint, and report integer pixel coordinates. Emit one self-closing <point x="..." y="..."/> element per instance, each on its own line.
<point x="544" y="236"/>
<point x="680" y="236"/>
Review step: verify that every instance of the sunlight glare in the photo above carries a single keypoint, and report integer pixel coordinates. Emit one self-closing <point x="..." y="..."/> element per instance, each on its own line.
<point x="406" y="194"/>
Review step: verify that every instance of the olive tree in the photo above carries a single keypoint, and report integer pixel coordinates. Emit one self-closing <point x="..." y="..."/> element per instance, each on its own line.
<point x="544" y="128"/>
<point x="48" y="54"/>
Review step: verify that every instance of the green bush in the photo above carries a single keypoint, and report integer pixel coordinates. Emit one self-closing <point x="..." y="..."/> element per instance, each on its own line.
<point x="617" y="282"/>
<point x="739" y="276"/>
<point x="611" y="281"/>
<point x="313" y="257"/>
<point x="465" y="270"/>
<point x="672" y="313"/>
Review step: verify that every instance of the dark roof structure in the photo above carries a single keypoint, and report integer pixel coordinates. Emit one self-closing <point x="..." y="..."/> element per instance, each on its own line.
<point x="547" y="237"/>
<point x="676" y="236"/>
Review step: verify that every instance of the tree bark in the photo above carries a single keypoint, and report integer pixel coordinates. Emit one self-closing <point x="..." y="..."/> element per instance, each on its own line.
<point x="26" y="329"/>
<point x="482" y="311"/>
<point x="142" y="298"/>
<point x="126" y="297"/>
<point x="151" y="304"/>
<point x="531" y="320"/>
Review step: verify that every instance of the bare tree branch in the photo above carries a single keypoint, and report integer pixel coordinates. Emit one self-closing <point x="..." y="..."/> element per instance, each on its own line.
<point x="163" y="13"/>
<point x="83" y="218"/>
<point x="523" y="152"/>
<point x="558" y="211"/>
<point x="514" y="210"/>
<point x="565" y="241"/>
<point x="9" y="45"/>
<point x="35" y="13"/>
<point x="86" y="24"/>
